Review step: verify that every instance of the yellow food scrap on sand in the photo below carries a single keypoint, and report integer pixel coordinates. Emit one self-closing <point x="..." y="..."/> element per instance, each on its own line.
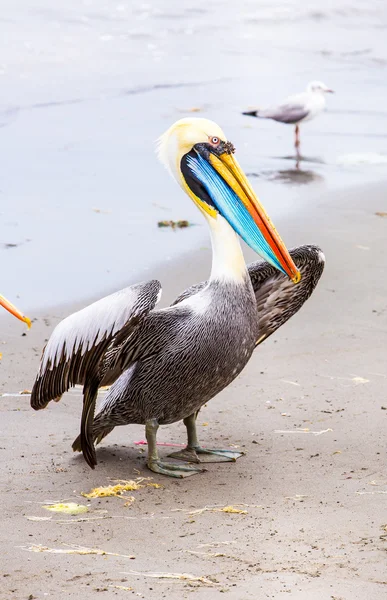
<point x="122" y="587"/>
<point x="232" y="509"/>
<point x="119" y="488"/>
<point x="113" y="490"/>
<point x="129" y="500"/>
<point x="225" y="509"/>
<point x="69" y="508"/>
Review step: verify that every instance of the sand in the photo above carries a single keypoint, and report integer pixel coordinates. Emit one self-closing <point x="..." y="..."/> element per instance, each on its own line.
<point x="309" y="411"/>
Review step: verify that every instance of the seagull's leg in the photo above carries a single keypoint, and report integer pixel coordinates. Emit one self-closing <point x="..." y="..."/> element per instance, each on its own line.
<point x="195" y="453"/>
<point x="297" y="140"/>
<point x="154" y="462"/>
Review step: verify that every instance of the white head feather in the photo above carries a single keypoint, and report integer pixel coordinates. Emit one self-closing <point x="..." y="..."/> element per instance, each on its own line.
<point x="317" y="86"/>
<point x="180" y="138"/>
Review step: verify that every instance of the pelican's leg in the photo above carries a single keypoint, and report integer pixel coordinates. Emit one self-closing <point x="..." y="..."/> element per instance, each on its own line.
<point x="154" y="462"/>
<point x="195" y="453"/>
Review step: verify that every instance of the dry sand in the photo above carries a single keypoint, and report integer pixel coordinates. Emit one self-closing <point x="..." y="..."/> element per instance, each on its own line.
<point x="309" y="411"/>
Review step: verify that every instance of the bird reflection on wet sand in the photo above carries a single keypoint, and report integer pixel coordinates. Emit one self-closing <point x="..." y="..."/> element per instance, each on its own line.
<point x="295" y="175"/>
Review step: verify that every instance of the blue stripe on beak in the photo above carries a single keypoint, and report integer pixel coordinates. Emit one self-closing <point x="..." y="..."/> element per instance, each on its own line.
<point x="232" y="208"/>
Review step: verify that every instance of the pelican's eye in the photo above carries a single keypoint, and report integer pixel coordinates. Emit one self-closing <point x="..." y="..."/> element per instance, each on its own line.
<point x="214" y="141"/>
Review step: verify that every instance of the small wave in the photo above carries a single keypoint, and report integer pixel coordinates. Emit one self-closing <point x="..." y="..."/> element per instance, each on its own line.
<point x="362" y="158"/>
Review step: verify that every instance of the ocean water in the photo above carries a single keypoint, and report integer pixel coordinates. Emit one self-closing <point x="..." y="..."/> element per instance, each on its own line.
<point x="88" y="86"/>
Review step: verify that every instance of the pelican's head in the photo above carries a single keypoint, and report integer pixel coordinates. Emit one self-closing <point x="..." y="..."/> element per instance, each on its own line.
<point x="14" y="311"/>
<point x="318" y="87"/>
<point x="201" y="159"/>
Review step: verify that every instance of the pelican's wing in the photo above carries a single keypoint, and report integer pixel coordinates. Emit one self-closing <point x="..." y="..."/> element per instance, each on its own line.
<point x="78" y="344"/>
<point x="277" y="297"/>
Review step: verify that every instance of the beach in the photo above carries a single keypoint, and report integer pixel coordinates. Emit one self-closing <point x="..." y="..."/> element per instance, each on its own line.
<point x="309" y="411"/>
<point x="87" y="89"/>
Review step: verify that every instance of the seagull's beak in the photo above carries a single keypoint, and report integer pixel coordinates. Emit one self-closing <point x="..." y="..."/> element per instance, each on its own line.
<point x="228" y="192"/>
<point x="329" y="91"/>
<point x="14" y="311"/>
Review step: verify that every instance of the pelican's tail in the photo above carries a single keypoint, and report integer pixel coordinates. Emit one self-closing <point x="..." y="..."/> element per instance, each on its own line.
<point x="97" y="436"/>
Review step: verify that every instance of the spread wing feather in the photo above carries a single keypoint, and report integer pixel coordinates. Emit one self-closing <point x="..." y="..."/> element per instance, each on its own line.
<point x="76" y="350"/>
<point x="277" y="297"/>
<point x="78" y="343"/>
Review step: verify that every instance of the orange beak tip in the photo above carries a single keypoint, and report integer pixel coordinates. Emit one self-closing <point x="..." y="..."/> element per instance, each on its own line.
<point x="27" y="321"/>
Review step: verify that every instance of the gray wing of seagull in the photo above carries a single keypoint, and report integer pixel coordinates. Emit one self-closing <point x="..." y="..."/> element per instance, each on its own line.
<point x="277" y="297"/>
<point x="293" y="110"/>
<point x="285" y="113"/>
<point x="83" y="348"/>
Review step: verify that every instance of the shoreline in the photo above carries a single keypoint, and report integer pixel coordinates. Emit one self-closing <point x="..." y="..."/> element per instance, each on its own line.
<point x="200" y="257"/>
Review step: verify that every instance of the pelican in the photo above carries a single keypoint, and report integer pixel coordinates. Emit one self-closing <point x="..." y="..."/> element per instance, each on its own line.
<point x="11" y="308"/>
<point x="297" y="108"/>
<point x="164" y="364"/>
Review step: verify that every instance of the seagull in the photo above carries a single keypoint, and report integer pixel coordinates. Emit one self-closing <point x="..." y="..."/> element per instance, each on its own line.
<point x="297" y="108"/>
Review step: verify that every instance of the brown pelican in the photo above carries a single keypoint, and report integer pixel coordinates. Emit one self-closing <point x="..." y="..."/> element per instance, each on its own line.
<point x="163" y="365"/>
<point x="14" y="311"/>
<point x="297" y="108"/>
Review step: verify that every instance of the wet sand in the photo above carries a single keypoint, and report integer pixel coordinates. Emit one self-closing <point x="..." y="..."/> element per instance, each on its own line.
<point x="309" y="411"/>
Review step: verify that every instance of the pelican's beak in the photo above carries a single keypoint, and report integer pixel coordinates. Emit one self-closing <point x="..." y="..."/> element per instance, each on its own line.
<point x="14" y="311"/>
<point x="231" y="194"/>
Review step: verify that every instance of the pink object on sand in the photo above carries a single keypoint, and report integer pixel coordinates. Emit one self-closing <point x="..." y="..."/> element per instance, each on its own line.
<point x="145" y="443"/>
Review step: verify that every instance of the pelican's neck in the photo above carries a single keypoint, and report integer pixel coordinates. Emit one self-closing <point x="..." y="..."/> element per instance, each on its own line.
<point x="228" y="263"/>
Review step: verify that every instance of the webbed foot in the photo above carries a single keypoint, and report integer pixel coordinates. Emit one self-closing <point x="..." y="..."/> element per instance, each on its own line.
<point x="201" y="455"/>
<point x="196" y="454"/>
<point x="172" y="470"/>
<point x="158" y="466"/>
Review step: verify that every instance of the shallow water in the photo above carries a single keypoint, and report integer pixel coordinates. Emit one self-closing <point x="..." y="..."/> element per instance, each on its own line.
<point x="88" y="86"/>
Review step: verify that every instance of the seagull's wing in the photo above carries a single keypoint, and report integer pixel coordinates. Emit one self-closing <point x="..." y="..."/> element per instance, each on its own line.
<point x="76" y="350"/>
<point x="292" y="110"/>
<point x="289" y="112"/>
<point x="277" y="297"/>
